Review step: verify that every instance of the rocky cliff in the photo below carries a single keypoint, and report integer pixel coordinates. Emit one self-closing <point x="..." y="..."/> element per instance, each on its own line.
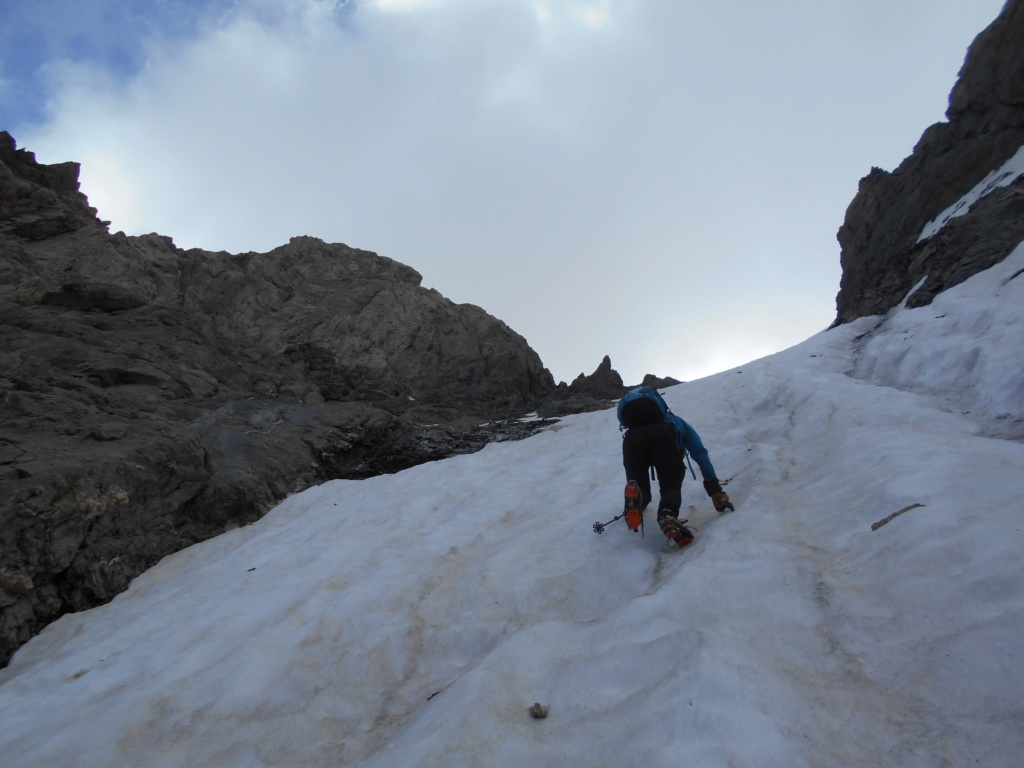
<point x="151" y="397"/>
<point x="883" y="254"/>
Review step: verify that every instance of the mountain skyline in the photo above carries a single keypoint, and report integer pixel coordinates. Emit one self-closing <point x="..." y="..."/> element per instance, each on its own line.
<point x="566" y="167"/>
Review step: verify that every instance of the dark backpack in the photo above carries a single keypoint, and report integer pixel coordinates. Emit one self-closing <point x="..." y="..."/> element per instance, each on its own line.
<point x="645" y="405"/>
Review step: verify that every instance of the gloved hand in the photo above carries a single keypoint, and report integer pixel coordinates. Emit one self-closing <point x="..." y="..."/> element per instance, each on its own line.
<point x="721" y="502"/>
<point x="718" y="497"/>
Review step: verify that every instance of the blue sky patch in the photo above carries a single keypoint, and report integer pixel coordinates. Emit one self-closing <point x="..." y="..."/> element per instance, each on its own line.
<point x="109" y="34"/>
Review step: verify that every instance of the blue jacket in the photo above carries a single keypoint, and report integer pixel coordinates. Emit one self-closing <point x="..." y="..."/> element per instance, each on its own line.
<point x="695" y="448"/>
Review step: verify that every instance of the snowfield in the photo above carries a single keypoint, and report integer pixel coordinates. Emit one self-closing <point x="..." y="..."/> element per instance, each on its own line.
<point x="412" y="619"/>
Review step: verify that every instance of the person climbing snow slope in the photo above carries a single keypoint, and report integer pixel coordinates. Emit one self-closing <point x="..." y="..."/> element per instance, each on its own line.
<point x="657" y="438"/>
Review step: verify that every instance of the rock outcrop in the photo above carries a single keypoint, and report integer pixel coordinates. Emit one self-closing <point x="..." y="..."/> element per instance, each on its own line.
<point x="604" y="383"/>
<point x="882" y="256"/>
<point x="585" y="394"/>
<point x="152" y="397"/>
<point x="595" y="392"/>
<point x="650" y="380"/>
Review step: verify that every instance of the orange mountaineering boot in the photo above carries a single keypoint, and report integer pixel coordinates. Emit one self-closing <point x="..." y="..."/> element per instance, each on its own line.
<point x="634" y="502"/>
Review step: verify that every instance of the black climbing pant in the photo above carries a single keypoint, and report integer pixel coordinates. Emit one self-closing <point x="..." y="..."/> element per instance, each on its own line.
<point x="654" y="445"/>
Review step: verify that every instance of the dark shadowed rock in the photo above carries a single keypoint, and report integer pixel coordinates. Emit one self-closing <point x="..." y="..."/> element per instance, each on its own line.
<point x="85" y="298"/>
<point x="881" y="256"/>
<point x="604" y="383"/>
<point x="586" y="393"/>
<point x="39" y="201"/>
<point x="650" y="380"/>
<point x="595" y="392"/>
<point x="152" y="397"/>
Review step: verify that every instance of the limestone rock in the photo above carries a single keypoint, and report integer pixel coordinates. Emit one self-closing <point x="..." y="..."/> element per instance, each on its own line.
<point x="586" y="393"/>
<point x="604" y="382"/>
<point x="650" y="380"/>
<point x="881" y="256"/>
<point x="39" y="201"/>
<point x="152" y="397"/>
<point x="596" y="392"/>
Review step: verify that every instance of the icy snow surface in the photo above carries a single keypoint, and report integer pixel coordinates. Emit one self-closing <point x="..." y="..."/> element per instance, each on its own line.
<point x="412" y="619"/>
<point x="1006" y="175"/>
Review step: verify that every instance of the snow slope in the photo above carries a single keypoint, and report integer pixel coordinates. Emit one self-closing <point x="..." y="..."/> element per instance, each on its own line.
<point x="411" y="620"/>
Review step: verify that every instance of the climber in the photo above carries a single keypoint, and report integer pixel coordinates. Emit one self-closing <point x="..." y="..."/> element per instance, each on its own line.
<point x="656" y="438"/>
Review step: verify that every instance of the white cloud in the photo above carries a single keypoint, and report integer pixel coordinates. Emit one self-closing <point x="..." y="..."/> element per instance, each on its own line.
<point x="591" y="13"/>
<point x="607" y="177"/>
<point x="405" y="5"/>
<point x="596" y="15"/>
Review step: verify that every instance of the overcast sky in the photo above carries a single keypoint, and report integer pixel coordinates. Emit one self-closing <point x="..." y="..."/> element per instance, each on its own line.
<point x="660" y="181"/>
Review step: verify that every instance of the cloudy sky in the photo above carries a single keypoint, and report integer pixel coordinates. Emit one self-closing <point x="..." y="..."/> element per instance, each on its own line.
<point x="660" y="181"/>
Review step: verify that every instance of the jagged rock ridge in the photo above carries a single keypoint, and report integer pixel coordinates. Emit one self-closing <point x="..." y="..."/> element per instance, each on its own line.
<point x="595" y="392"/>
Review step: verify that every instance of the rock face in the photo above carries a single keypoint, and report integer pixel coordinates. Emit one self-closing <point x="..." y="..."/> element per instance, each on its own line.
<point x="152" y="397"/>
<point x="881" y="256"/>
